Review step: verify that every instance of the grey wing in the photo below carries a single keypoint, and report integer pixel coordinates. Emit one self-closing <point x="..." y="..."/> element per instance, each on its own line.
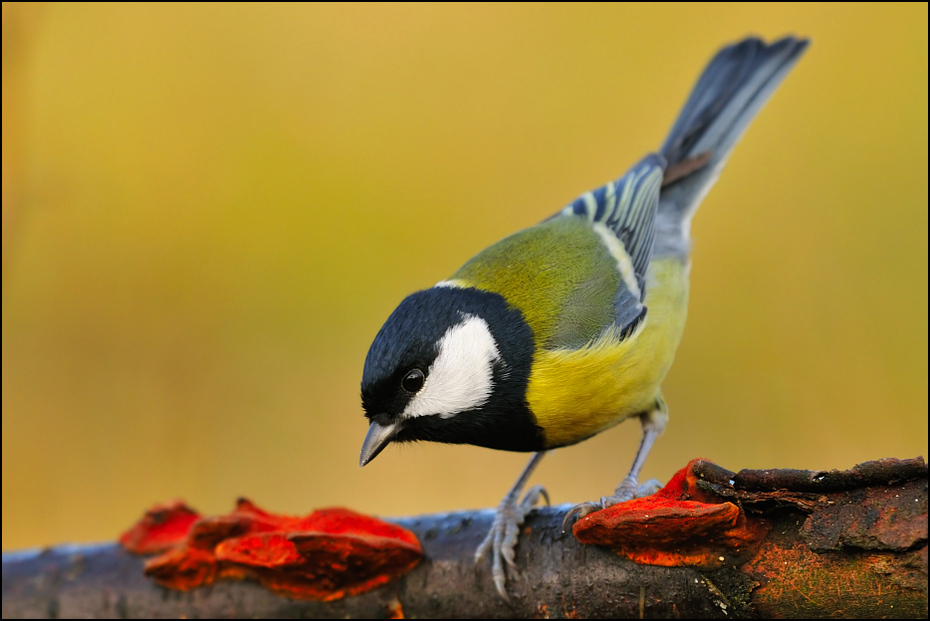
<point x="626" y="208"/>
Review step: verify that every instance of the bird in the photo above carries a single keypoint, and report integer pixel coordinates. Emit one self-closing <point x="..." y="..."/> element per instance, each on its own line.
<point x="568" y="327"/>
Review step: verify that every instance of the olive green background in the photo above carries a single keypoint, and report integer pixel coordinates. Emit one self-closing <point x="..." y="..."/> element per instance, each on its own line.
<point x="208" y="212"/>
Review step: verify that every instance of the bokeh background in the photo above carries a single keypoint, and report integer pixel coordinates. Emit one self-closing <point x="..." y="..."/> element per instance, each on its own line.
<point x="208" y="212"/>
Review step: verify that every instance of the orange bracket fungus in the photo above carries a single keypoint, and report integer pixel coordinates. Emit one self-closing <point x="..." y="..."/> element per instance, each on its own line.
<point x="164" y="526"/>
<point x="684" y="523"/>
<point x="323" y="556"/>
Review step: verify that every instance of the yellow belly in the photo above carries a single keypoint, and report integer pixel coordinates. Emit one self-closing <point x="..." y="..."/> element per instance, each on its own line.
<point x="577" y="393"/>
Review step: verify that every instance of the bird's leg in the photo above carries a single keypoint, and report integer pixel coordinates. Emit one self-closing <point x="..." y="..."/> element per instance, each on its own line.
<point x="653" y="425"/>
<point x="502" y="538"/>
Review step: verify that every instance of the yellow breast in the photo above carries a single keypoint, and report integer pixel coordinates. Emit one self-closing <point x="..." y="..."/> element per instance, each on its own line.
<point x="576" y="393"/>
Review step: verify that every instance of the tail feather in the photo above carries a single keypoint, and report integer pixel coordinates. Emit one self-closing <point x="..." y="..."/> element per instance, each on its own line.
<point x="728" y="95"/>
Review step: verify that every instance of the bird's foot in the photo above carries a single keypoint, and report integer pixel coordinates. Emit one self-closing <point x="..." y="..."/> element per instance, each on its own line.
<point x="627" y="490"/>
<point x="501" y="540"/>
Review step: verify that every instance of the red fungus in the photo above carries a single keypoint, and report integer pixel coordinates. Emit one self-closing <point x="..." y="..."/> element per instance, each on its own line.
<point x="182" y="568"/>
<point x="681" y="524"/>
<point x="325" y="555"/>
<point x="162" y="527"/>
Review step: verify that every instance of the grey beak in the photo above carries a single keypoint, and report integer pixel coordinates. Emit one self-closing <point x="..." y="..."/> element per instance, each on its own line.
<point x="376" y="439"/>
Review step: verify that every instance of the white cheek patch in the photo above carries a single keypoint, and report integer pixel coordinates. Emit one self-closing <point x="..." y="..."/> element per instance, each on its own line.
<point x="460" y="378"/>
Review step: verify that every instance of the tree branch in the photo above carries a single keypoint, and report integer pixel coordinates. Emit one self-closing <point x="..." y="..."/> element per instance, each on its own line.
<point x="848" y="544"/>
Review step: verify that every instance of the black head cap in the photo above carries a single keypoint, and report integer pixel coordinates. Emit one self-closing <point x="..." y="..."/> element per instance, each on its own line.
<point x="408" y="344"/>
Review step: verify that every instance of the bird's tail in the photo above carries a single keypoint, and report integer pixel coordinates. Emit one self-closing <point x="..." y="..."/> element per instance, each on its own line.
<point x="728" y="95"/>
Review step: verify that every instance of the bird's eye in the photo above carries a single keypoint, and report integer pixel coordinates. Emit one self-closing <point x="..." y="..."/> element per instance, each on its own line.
<point x="413" y="381"/>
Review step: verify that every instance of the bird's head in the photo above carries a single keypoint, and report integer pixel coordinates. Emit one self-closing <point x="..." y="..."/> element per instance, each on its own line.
<point x="451" y="364"/>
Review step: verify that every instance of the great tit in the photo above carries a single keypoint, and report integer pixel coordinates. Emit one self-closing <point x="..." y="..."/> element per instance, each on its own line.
<point x="567" y="328"/>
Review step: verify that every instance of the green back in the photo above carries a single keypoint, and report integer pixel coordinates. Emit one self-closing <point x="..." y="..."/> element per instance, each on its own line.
<point x="559" y="274"/>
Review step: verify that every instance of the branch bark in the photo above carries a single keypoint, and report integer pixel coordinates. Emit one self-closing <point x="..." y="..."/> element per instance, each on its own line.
<point x="847" y="544"/>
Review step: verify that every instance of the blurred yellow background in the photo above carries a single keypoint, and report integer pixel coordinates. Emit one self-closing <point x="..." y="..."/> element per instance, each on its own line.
<point x="208" y="212"/>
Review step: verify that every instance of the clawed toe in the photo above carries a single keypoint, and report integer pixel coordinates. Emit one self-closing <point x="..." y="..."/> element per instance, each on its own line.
<point x="579" y="511"/>
<point x="532" y="497"/>
<point x="648" y="488"/>
<point x="627" y="490"/>
<point x="501" y="540"/>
